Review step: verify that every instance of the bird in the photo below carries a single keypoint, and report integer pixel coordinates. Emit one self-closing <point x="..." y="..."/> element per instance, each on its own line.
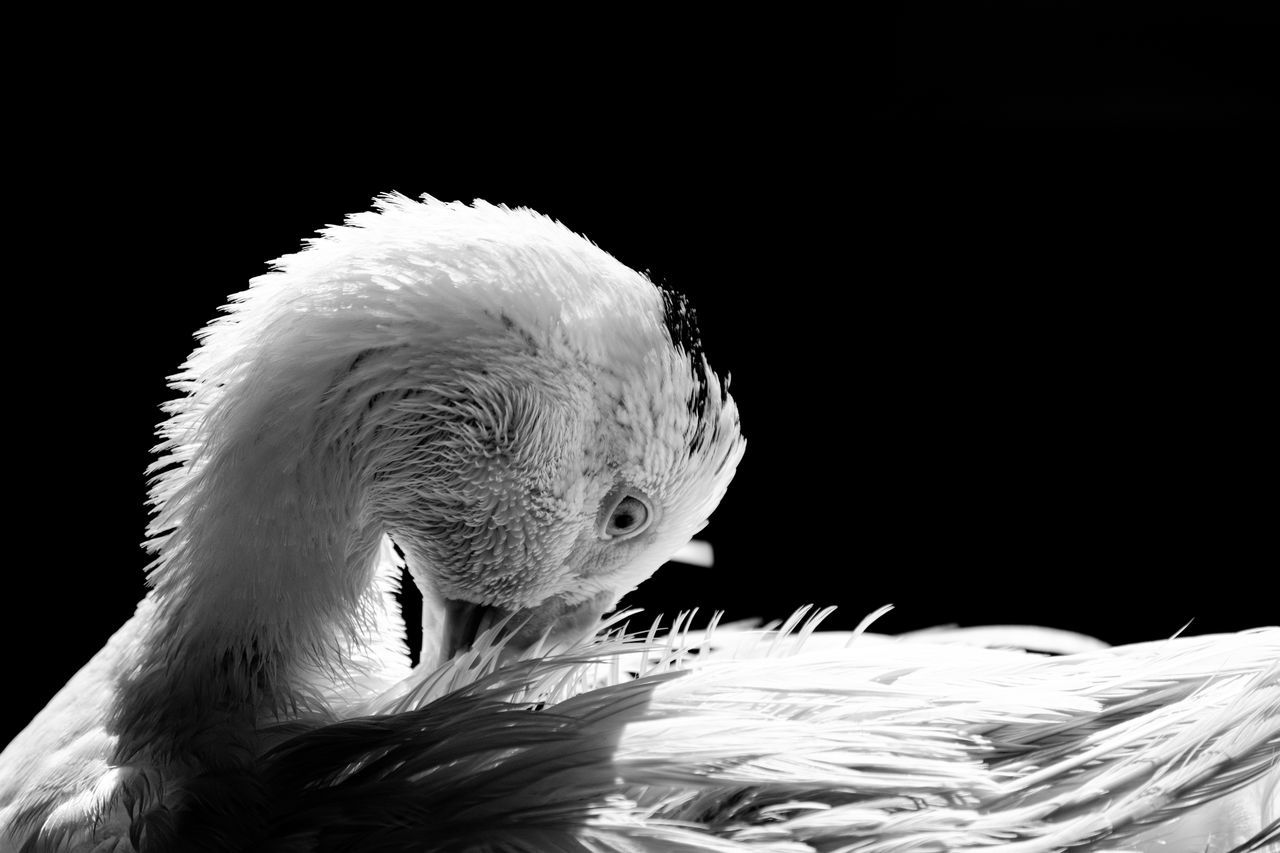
<point x="530" y="422"/>
<point x="479" y="397"/>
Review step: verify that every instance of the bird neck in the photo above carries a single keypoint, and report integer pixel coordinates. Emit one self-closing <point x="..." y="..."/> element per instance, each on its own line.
<point x="265" y="601"/>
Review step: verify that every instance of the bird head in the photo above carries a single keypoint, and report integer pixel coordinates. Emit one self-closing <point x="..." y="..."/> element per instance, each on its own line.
<point x="529" y="420"/>
<point x="539" y="460"/>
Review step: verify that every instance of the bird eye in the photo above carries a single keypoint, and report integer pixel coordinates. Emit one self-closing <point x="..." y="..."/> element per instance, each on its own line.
<point x="630" y="515"/>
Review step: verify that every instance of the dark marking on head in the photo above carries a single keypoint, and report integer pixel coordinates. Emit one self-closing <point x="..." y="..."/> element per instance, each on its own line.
<point x="511" y="326"/>
<point x="360" y="357"/>
<point x="681" y="322"/>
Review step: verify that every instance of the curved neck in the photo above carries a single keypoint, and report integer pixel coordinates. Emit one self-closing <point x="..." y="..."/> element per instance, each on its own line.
<point x="268" y="598"/>
<point x="277" y="556"/>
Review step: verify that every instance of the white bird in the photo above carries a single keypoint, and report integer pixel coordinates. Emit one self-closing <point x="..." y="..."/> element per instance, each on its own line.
<point x="529" y="420"/>
<point x="534" y="426"/>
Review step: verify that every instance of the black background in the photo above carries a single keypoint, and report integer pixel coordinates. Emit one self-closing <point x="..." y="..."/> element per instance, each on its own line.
<point x="993" y="289"/>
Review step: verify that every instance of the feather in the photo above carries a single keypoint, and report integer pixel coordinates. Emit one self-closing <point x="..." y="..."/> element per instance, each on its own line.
<point x="898" y="745"/>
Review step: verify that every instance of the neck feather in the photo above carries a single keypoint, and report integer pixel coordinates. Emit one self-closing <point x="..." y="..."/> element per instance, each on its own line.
<point x="272" y="585"/>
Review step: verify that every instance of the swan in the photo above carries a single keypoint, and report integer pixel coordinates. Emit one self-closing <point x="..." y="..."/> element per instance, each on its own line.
<point x="489" y="400"/>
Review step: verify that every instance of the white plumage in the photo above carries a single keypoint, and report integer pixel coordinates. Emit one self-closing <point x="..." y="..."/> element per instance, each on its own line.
<point x="534" y="426"/>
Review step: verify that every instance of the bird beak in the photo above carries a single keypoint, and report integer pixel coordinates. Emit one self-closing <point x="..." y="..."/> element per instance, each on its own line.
<point x="464" y="622"/>
<point x="553" y="620"/>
